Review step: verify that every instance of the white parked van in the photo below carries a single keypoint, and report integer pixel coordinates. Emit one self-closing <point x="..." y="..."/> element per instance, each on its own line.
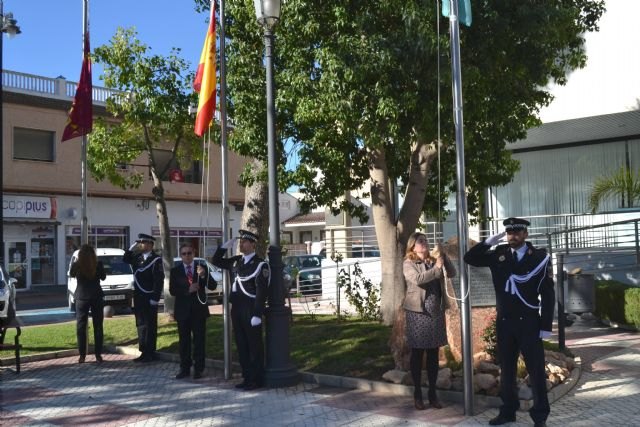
<point x="117" y="287"/>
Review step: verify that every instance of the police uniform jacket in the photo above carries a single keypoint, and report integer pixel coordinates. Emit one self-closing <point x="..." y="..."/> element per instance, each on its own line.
<point x="148" y="274"/>
<point x="516" y="298"/>
<point x="253" y="277"/>
<point x="190" y="303"/>
<point x="417" y="276"/>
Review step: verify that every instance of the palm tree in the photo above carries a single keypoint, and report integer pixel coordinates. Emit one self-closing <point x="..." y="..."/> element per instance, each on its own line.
<point x="623" y="183"/>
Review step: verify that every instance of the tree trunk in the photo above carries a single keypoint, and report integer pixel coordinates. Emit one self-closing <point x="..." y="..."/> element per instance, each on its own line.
<point x="165" y="236"/>
<point x="165" y="240"/>
<point x="392" y="233"/>
<point x="255" y="216"/>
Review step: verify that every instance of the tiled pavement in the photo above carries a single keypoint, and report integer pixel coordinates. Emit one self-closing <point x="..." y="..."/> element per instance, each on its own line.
<point x="119" y="392"/>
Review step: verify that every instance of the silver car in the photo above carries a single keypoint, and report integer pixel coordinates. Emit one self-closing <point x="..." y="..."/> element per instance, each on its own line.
<point x="7" y="297"/>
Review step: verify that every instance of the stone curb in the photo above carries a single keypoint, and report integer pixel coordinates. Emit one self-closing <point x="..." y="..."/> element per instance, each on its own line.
<point x="335" y="380"/>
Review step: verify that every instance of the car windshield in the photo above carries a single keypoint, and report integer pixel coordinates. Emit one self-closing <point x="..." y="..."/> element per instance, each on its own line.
<point x="114" y="266"/>
<point x="312" y="261"/>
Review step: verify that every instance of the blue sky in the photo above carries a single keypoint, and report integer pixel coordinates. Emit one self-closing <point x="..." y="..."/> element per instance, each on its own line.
<point x="51" y="41"/>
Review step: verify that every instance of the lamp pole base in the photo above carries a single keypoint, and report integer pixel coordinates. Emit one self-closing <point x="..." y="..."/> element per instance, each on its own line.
<point x="279" y="371"/>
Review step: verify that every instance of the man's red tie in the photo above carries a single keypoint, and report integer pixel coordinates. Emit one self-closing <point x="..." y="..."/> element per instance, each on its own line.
<point x="189" y="274"/>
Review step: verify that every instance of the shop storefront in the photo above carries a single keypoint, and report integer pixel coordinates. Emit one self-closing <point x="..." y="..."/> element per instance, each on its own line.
<point x="98" y="236"/>
<point x="30" y="230"/>
<point x="203" y="241"/>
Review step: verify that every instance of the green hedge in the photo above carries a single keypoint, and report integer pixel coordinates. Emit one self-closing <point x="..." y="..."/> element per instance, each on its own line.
<point x="617" y="302"/>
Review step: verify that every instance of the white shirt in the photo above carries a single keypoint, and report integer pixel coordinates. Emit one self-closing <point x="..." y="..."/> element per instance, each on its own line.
<point x="248" y="257"/>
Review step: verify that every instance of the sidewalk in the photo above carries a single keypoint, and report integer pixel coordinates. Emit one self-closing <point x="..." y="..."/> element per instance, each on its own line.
<point x="122" y="393"/>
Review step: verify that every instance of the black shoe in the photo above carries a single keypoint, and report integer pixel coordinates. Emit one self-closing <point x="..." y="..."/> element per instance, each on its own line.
<point x="243" y="384"/>
<point x="139" y="358"/>
<point x="197" y="375"/>
<point x="419" y="404"/>
<point x="501" y="419"/>
<point x="98" y="358"/>
<point x="436" y="404"/>
<point x="540" y="424"/>
<point x="252" y="386"/>
<point x="81" y="358"/>
<point x="147" y="359"/>
<point x="182" y="374"/>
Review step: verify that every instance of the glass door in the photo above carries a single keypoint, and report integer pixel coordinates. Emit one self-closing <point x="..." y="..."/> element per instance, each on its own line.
<point x="42" y="261"/>
<point x="17" y="261"/>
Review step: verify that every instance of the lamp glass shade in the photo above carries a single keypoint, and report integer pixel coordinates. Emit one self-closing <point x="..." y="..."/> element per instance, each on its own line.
<point x="267" y="11"/>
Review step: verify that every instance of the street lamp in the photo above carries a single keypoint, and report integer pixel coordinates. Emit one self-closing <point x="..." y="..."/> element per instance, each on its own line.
<point x="8" y="26"/>
<point x="279" y="372"/>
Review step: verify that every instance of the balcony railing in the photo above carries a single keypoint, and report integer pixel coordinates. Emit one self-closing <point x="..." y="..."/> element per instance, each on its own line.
<point x="58" y="87"/>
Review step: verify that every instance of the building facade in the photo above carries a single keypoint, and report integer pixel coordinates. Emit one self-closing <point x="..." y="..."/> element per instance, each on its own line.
<point x="42" y="189"/>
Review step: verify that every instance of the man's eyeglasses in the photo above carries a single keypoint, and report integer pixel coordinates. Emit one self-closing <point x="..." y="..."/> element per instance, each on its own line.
<point x="186" y="253"/>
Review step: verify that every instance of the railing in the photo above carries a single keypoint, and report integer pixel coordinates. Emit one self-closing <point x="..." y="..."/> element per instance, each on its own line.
<point x="610" y="250"/>
<point x="57" y="87"/>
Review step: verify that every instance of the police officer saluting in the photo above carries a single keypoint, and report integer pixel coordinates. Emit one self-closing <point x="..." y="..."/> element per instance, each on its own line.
<point x="250" y="275"/>
<point x="523" y="283"/>
<point x="148" y="274"/>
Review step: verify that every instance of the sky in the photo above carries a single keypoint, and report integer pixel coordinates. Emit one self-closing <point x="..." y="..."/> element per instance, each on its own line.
<point x="50" y="44"/>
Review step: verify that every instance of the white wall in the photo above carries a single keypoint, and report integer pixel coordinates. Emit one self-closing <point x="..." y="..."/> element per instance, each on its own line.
<point x="121" y="212"/>
<point x="610" y="83"/>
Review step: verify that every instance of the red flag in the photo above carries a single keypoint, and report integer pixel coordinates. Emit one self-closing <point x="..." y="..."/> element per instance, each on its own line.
<point x="205" y="81"/>
<point x="80" y="121"/>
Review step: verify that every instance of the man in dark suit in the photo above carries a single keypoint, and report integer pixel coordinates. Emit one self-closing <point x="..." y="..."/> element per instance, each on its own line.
<point x="522" y="278"/>
<point x="251" y="276"/>
<point x="188" y="282"/>
<point x="148" y="274"/>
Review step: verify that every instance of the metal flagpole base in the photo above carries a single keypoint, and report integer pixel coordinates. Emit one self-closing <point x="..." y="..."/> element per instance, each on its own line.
<point x="279" y="372"/>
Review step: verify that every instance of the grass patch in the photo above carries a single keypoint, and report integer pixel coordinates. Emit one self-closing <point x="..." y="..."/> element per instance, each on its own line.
<point x="348" y="348"/>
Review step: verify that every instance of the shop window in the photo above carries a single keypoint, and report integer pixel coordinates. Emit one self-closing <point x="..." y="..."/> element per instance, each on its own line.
<point x="167" y="164"/>
<point x="33" y="144"/>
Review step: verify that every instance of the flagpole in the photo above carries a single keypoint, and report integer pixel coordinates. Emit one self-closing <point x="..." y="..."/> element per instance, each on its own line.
<point x="84" y="236"/>
<point x="225" y="196"/>
<point x="461" y="208"/>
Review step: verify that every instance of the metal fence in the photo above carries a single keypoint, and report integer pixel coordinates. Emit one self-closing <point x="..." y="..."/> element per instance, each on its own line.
<point x="607" y="249"/>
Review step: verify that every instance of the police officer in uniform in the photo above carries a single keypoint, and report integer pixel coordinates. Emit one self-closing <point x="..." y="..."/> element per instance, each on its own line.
<point x="250" y="275"/>
<point x="148" y="274"/>
<point x="523" y="283"/>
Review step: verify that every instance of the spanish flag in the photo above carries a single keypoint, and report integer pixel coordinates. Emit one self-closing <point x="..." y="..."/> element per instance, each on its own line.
<point x="205" y="81"/>
<point x="80" y="120"/>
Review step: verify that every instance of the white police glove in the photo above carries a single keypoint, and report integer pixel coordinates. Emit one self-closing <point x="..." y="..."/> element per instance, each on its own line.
<point x="133" y="245"/>
<point x="255" y="321"/>
<point x="228" y="243"/>
<point x="495" y="239"/>
<point x="545" y="334"/>
<point x="153" y="302"/>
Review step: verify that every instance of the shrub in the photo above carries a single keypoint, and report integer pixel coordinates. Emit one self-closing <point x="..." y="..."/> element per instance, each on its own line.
<point x="618" y="302"/>
<point x="367" y="303"/>
<point x="490" y="338"/>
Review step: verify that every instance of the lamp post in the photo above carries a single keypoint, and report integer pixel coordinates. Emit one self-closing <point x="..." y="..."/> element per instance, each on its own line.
<point x="279" y="372"/>
<point x="8" y="26"/>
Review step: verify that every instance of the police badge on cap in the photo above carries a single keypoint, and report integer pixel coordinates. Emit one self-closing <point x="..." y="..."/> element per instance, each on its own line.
<point x="515" y="224"/>
<point x="146" y="238"/>
<point x="247" y="235"/>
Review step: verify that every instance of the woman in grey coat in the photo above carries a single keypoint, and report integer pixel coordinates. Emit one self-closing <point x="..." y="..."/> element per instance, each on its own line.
<point x="424" y="304"/>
